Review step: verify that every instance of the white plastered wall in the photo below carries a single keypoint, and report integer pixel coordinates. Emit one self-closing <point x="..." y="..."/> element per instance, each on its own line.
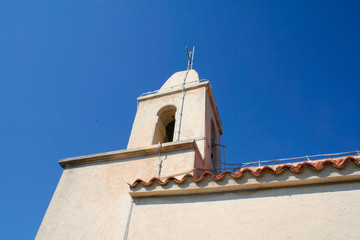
<point x="192" y="124"/>
<point x="92" y="201"/>
<point x="210" y="117"/>
<point x="326" y="211"/>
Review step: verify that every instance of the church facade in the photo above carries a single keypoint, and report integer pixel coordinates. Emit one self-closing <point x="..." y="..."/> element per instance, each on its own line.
<point x="168" y="183"/>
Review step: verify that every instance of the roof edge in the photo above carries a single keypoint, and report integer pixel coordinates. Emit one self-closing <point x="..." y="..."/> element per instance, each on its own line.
<point x="304" y="173"/>
<point x="127" y="153"/>
<point x="172" y="90"/>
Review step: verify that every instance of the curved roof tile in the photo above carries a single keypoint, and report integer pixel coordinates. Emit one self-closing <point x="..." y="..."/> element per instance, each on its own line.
<point x="297" y="167"/>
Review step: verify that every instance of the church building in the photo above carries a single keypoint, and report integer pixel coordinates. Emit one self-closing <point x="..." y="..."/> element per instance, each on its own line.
<point x="169" y="183"/>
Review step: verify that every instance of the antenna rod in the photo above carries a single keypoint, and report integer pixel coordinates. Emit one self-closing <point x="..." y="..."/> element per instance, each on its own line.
<point x="192" y="57"/>
<point x="189" y="58"/>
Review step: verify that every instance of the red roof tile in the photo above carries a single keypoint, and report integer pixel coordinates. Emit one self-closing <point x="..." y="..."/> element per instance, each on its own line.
<point x="297" y="167"/>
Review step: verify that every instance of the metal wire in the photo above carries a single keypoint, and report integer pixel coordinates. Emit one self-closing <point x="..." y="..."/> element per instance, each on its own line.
<point x="175" y="86"/>
<point x="307" y="157"/>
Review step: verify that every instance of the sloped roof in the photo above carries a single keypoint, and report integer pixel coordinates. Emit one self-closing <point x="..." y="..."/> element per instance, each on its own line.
<point x="296" y="168"/>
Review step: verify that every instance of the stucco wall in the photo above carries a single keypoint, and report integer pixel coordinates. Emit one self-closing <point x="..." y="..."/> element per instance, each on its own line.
<point x="92" y="201"/>
<point x="192" y="125"/>
<point x="326" y="211"/>
<point x="210" y="119"/>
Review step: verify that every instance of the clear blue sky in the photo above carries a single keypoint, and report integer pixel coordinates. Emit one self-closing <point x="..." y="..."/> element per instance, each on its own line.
<point x="285" y="75"/>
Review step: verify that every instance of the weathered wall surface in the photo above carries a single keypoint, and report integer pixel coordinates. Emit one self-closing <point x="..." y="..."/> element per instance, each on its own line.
<point x="326" y="211"/>
<point x="192" y="124"/>
<point x="92" y="201"/>
<point x="209" y="122"/>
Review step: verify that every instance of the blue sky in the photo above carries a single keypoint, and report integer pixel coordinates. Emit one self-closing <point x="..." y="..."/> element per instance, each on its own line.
<point x="285" y="75"/>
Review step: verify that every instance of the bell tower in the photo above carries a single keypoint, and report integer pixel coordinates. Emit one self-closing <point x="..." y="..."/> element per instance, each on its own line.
<point x="183" y="109"/>
<point x="176" y="131"/>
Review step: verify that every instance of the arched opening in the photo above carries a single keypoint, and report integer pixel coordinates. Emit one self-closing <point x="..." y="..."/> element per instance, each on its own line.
<point x="170" y="131"/>
<point x="165" y="125"/>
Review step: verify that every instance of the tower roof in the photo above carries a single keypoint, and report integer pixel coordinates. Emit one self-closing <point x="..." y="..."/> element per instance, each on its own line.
<point x="177" y="79"/>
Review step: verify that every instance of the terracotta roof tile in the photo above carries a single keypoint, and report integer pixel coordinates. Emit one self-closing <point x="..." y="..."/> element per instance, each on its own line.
<point x="297" y="167"/>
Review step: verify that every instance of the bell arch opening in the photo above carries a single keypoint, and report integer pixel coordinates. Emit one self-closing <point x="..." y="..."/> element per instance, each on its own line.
<point x="165" y="125"/>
